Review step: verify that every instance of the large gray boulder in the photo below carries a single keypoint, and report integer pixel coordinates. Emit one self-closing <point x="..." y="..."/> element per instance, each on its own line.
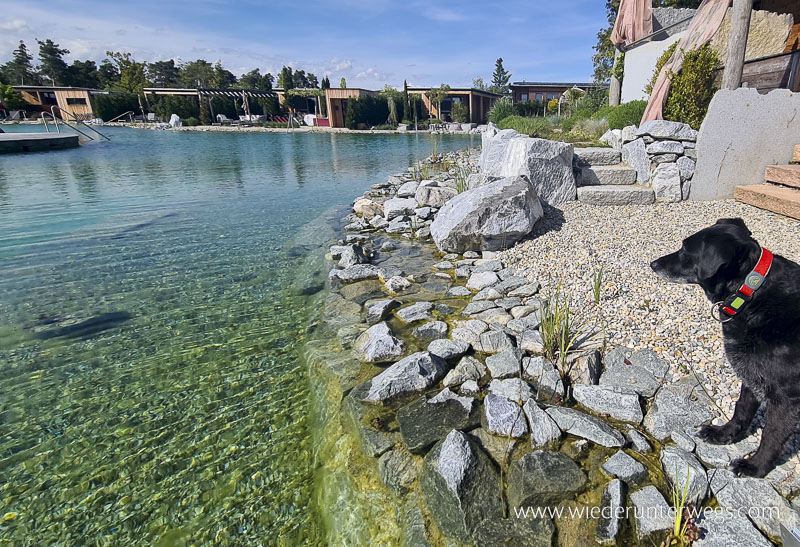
<point x="667" y="182"/>
<point x="543" y="478"/>
<point x="617" y="403"/>
<point x="490" y="218"/>
<point x="377" y="345"/>
<point x="671" y="411"/>
<point x="546" y="164"/>
<point x="413" y="374"/>
<point x="434" y="196"/>
<point x="426" y="421"/>
<point x="461" y="486"/>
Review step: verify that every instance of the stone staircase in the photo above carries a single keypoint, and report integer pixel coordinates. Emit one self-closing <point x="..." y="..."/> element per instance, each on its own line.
<point x="780" y="193"/>
<point x="603" y="180"/>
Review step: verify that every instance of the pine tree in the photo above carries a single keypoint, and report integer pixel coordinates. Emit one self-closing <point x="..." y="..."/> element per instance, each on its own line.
<point x="500" y="77"/>
<point x="343" y="83"/>
<point x="19" y="70"/>
<point x="53" y="67"/>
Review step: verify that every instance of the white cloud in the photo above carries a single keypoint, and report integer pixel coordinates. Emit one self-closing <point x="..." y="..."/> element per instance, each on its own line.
<point x="443" y="15"/>
<point x="15" y="25"/>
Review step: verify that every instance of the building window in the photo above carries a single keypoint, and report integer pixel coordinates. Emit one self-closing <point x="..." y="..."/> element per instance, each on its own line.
<point x="76" y="100"/>
<point x="523" y="97"/>
<point x="540" y="96"/>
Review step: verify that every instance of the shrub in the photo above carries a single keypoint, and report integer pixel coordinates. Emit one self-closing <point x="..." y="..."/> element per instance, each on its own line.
<point x="11" y="97"/>
<point x="459" y="112"/>
<point x="528" y="109"/>
<point x="592" y="129"/>
<point x="191" y="122"/>
<point x="366" y="109"/>
<point x="623" y="115"/>
<point x="594" y="100"/>
<point x="184" y="107"/>
<point x="112" y="105"/>
<point x="501" y="110"/>
<point x="552" y="106"/>
<point x="534" y="127"/>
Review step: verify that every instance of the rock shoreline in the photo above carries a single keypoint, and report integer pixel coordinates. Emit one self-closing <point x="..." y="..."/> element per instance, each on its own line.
<point x="452" y="417"/>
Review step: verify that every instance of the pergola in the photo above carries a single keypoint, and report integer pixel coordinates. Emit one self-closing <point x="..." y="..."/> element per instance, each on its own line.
<point x="243" y="94"/>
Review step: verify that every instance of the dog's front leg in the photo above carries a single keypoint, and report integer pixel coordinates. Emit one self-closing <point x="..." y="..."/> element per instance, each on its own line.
<point x="781" y="422"/>
<point x="736" y="428"/>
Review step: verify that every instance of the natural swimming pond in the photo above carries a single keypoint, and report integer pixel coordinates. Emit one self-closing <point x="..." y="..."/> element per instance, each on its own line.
<point x="151" y="323"/>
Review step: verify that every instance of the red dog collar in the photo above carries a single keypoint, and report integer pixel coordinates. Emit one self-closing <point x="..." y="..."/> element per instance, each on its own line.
<point x="752" y="282"/>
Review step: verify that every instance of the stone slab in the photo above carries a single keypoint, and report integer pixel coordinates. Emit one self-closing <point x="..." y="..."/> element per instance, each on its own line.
<point x="788" y="175"/>
<point x="607" y="175"/>
<point x="778" y="199"/>
<point x="616" y="195"/>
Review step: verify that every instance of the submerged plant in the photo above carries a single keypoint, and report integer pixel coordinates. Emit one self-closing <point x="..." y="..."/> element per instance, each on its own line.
<point x="684" y="528"/>
<point x="435" y="146"/>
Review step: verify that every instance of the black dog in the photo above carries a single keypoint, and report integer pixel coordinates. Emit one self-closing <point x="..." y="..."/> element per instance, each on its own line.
<point x="761" y="331"/>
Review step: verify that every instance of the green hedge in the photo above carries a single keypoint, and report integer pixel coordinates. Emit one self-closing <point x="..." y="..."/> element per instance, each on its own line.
<point x="108" y="107"/>
<point x="184" y="107"/>
<point x="366" y="109"/>
<point x="623" y="115"/>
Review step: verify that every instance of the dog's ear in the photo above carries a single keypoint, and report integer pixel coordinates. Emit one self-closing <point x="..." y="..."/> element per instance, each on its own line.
<point x="713" y="259"/>
<point x="736" y="222"/>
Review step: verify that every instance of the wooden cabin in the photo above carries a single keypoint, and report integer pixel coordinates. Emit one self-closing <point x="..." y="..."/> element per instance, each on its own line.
<point x="74" y="102"/>
<point x="336" y="100"/>
<point x="478" y="101"/>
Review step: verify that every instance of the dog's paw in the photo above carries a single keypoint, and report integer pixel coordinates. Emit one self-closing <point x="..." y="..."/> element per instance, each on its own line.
<point x="716" y="434"/>
<point x="744" y="467"/>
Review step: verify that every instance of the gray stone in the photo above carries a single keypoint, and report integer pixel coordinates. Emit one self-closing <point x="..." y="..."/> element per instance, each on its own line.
<point x="434" y="196"/>
<point x="720" y="455"/>
<point x="651" y="362"/>
<point x="651" y="512"/>
<point x="424" y="213"/>
<point x="614" y="402"/>
<point x="586" y="369"/>
<point x="524" y="291"/>
<point x="613" y="138"/>
<point x="683" y="441"/>
<point x="686" y="168"/>
<point x="377" y="345"/>
<point x="623" y="466"/>
<point x="413" y="525"/>
<point x="630" y="378"/>
<point x="663" y="158"/>
<point x="587" y="427"/>
<point x="494" y="315"/>
<point x="542" y="427"/>
<point x="352" y="255"/>
<point x="490" y="217"/>
<point x="449" y="350"/>
<point x="375" y="442"/>
<point x="511" y="388"/>
<point x="526" y="322"/>
<point x="686" y="190"/>
<point x="546" y="164"/>
<point x="615" y="195"/>
<point x="672" y="411"/>
<point x="359" y="272"/>
<point x="398" y="226"/>
<point x="407" y="189"/>
<point x="468" y="368"/>
<point x="663" y="129"/>
<point x="742" y="133"/>
<point x="635" y="154"/>
<point x="380" y="310"/>
<point x="544" y="377"/>
<point x="398" y="471"/>
<point x="415" y="373"/>
<point x="415" y="312"/>
<point x="520" y="532"/>
<point x="460" y="486"/>
<point x="458" y="291"/>
<point x="398" y="207"/>
<point x="543" y="478"/>
<point x="667" y="183"/>
<point x="425" y="422"/>
<point x="509" y="303"/>
<point x="723" y="530"/>
<point x="482" y="280"/>
<point x="504" y="364"/>
<point x="605" y="175"/>
<point x="611" y="513"/>
<point x="628" y="134"/>
<point x="348" y="334"/>
<point x="433" y="330"/>
<point x="387" y="272"/>
<point x="397" y="284"/>
<point x="597" y="156"/>
<point x="665" y="147"/>
<point x="469" y="331"/>
<point x="755" y="498"/>
<point x="531" y="341"/>
<point x="637" y="441"/>
<point x="489" y="293"/>
<point x="463" y="272"/>
<point x="477" y="307"/>
<point x="379" y="223"/>
<point x="443" y="265"/>
<point x="493" y="342"/>
<point x="470" y="388"/>
<point x="685" y="473"/>
<point x="503" y="417"/>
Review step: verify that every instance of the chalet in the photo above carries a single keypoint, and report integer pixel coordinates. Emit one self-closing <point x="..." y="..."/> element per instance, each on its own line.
<point x="74" y="103"/>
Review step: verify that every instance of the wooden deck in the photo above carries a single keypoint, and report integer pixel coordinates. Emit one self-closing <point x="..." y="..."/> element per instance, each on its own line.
<point x="11" y="143"/>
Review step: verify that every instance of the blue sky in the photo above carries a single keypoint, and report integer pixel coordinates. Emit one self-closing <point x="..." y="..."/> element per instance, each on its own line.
<point x="369" y="42"/>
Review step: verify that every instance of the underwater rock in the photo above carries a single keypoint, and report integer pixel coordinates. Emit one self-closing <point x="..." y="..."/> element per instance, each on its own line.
<point x="413" y="374"/>
<point x="588" y="427"/>
<point x="377" y="345"/>
<point x="543" y="478"/>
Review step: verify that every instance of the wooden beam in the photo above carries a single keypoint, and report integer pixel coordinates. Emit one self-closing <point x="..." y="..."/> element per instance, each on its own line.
<point x="737" y="43"/>
<point x="615" y="88"/>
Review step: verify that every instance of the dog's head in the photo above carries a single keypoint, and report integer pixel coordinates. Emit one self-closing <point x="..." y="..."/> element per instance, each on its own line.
<point x="712" y="258"/>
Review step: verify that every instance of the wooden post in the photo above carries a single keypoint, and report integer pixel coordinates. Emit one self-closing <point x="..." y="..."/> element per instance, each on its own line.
<point x="211" y="109"/>
<point x="737" y="44"/>
<point x="615" y="88"/>
<point x="246" y="105"/>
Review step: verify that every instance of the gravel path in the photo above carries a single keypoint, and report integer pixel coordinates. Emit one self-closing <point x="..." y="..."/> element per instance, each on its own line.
<point x="638" y="309"/>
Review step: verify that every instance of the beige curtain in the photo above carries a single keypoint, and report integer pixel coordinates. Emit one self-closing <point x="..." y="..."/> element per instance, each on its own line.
<point x="634" y="22"/>
<point x="704" y="26"/>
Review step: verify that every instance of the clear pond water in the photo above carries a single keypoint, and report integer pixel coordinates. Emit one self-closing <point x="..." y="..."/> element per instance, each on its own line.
<point x="151" y="386"/>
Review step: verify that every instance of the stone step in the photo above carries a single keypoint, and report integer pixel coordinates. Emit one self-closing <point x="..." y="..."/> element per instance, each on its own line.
<point x="796" y="157"/>
<point x="627" y="194"/>
<point x="597" y="156"/>
<point x="778" y="199"/>
<point x="787" y="175"/>
<point x="604" y="175"/>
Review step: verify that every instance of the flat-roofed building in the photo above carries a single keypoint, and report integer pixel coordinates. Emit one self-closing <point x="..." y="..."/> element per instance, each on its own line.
<point x="76" y="102"/>
<point x="545" y="91"/>
<point x="337" y="99"/>
<point x="478" y="102"/>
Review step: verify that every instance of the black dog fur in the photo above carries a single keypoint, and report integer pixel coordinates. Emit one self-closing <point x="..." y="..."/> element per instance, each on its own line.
<point x="762" y="342"/>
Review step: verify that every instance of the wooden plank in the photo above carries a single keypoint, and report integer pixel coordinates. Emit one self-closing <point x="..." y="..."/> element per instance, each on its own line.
<point x="793" y="42"/>
<point x="796" y="157"/>
<point x="788" y="175"/>
<point x="778" y="199"/>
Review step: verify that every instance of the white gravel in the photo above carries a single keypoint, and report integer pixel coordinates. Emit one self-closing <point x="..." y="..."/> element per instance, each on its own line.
<point x="638" y="309"/>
